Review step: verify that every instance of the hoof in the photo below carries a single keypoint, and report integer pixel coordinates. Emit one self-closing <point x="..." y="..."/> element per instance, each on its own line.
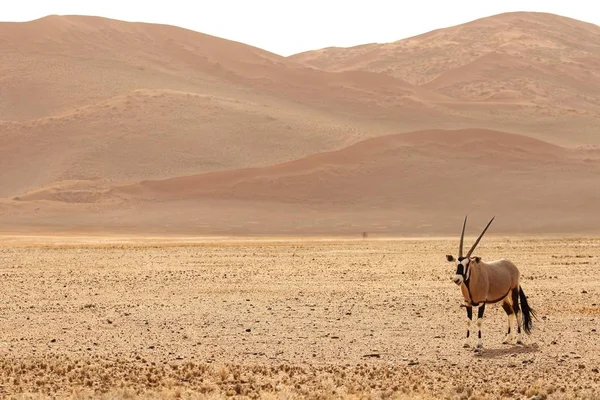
<point x="466" y="345"/>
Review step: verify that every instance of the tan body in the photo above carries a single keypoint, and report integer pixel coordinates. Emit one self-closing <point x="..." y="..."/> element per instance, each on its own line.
<point x="490" y="282"/>
<point x="483" y="283"/>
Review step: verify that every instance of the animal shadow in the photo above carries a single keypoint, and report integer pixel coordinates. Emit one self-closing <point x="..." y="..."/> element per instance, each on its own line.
<point x="508" y="350"/>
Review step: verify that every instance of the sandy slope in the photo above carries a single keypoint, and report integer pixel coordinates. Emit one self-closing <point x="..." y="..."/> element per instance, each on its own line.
<point x="150" y="134"/>
<point x="540" y="63"/>
<point x="93" y="98"/>
<point x="419" y="182"/>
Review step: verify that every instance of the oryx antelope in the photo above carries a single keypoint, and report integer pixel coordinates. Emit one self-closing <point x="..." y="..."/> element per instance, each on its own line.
<point x="483" y="283"/>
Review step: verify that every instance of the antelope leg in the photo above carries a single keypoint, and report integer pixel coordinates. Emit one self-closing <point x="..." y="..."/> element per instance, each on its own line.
<point x="470" y="317"/>
<point x="480" y="312"/>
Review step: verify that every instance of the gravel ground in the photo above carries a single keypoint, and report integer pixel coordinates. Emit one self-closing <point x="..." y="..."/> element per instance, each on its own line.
<point x="289" y="319"/>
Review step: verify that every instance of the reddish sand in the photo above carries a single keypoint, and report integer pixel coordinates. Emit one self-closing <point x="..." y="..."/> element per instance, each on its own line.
<point x="417" y="183"/>
<point x="108" y="125"/>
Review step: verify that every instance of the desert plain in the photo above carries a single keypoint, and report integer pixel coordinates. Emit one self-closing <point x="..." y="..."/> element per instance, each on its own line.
<point x="288" y="318"/>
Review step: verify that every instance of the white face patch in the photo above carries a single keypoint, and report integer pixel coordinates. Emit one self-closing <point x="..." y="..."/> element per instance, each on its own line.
<point x="458" y="279"/>
<point x="466" y="269"/>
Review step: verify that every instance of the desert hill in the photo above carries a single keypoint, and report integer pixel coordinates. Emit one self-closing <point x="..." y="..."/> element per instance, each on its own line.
<point x="410" y="183"/>
<point x="538" y="63"/>
<point x="94" y="98"/>
<point x="123" y="126"/>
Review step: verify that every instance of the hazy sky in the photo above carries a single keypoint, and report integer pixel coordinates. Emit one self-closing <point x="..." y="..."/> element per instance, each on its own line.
<point x="288" y="26"/>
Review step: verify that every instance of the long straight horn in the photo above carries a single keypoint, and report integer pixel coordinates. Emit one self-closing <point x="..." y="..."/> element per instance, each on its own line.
<point x="462" y="238"/>
<point x="479" y="238"/>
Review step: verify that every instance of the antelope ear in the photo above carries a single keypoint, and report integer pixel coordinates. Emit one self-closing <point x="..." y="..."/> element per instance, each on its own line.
<point x="450" y="258"/>
<point x="477" y="259"/>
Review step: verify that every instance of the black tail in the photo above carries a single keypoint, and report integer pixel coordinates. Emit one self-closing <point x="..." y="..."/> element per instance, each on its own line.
<point x="528" y="313"/>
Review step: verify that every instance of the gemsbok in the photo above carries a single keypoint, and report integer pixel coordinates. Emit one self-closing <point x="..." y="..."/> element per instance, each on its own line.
<point x="484" y="283"/>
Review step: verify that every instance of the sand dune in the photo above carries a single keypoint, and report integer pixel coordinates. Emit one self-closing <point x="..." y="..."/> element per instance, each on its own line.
<point x="549" y="64"/>
<point x="152" y="134"/>
<point x="406" y="183"/>
<point x="411" y="161"/>
<point x="94" y="98"/>
<point x="113" y="125"/>
<point x="73" y="61"/>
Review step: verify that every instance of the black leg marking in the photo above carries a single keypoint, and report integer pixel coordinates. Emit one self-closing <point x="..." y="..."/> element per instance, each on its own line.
<point x="508" y="309"/>
<point x="480" y="311"/>
<point x="516" y="308"/>
<point x="470" y="316"/>
<point x="515" y="301"/>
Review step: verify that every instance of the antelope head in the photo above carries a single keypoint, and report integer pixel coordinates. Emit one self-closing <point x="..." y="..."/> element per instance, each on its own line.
<point x="463" y="262"/>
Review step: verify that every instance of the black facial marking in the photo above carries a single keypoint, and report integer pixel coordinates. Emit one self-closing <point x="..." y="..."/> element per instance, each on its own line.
<point x="460" y="269"/>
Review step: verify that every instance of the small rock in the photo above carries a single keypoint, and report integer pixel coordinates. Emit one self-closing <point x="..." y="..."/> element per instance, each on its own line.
<point x="374" y="355"/>
<point x="53" y="341"/>
<point x="151" y="347"/>
<point x="581" y="366"/>
<point x="413" y="363"/>
<point x="109" y="321"/>
<point x="595" y="370"/>
<point x="584" y="291"/>
<point x="248" y="329"/>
